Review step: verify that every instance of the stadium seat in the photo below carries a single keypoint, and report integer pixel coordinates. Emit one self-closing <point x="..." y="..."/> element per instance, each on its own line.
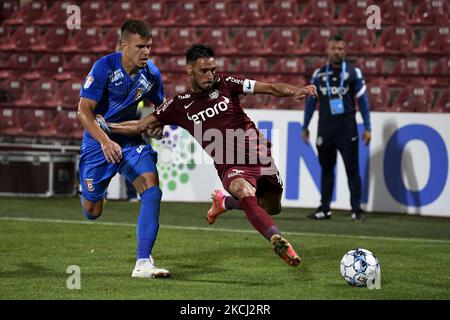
<point x="89" y="37"/>
<point x="77" y="67"/>
<point x="9" y="121"/>
<point x="440" y="72"/>
<point x="49" y="65"/>
<point x="283" y="12"/>
<point x="16" y="65"/>
<point x="64" y="125"/>
<point x="395" y="39"/>
<point x="317" y="12"/>
<point x="108" y="42"/>
<point x="370" y="66"/>
<point x="443" y="102"/>
<point x="53" y="40"/>
<point x="55" y="15"/>
<point x="405" y="69"/>
<point x="67" y="95"/>
<point x="359" y="40"/>
<point x="40" y="94"/>
<point x="252" y="65"/>
<point x="217" y="38"/>
<point x="224" y="65"/>
<point x="154" y="12"/>
<point x="175" y="64"/>
<point x="282" y="41"/>
<point x="15" y="88"/>
<point x="219" y="13"/>
<point x="27" y="122"/>
<point x="248" y="41"/>
<point x="250" y="101"/>
<point x="316" y="41"/>
<point x="8" y="9"/>
<point x="395" y="12"/>
<point x="5" y="33"/>
<point x="159" y="41"/>
<point x="354" y="12"/>
<point x="179" y="40"/>
<point x="27" y="13"/>
<point x="93" y="13"/>
<point x="431" y="12"/>
<point x="436" y="40"/>
<point x="250" y="13"/>
<point x="284" y="103"/>
<point x="288" y="67"/>
<point x="22" y="39"/>
<point x="185" y="13"/>
<point x="118" y="13"/>
<point x="415" y="97"/>
<point x="378" y="96"/>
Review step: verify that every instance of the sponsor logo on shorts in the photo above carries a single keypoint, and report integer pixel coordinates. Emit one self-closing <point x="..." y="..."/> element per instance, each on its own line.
<point x="89" y="184"/>
<point x="235" y="172"/>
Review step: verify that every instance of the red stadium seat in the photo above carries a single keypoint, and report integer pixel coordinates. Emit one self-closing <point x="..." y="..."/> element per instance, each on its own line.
<point x="175" y="64"/>
<point x="431" y="12"/>
<point x="5" y="33"/>
<point x="378" y="96"/>
<point x="395" y="12"/>
<point x="49" y="65"/>
<point x="251" y="12"/>
<point x="224" y="65"/>
<point x="154" y="12"/>
<point x="27" y="13"/>
<point x="407" y="67"/>
<point x="53" y="40"/>
<point x="219" y="13"/>
<point x="354" y="12"/>
<point x="436" y="40"/>
<point x="440" y="72"/>
<point x="119" y="12"/>
<point x="68" y="95"/>
<point x="22" y="39"/>
<point x="28" y="122"/>
<point x="89" y="38"/>
<point x="359" y="40"/>
<point x="8" y="9"/>
<point x="17" y="64"/>
<point x="248" y="41"/>
<point x="217" y="38"/>
<point x="108" y="42"/>
<point x="15" y="88"/>
<point x="40" y="94"/>
<point x="371" y="66"/>
<point x="185" y="13"/>
<point x="284" y="103"/>
<point x="317" y="12"/>
<point x="179" y="40"/>
<point x="316" y="41"/>
<point x="93" y="13"/>
<point x="55" y="15"/>
<point x="252" y="65"/>
<point x="395" y="39"/>
<point x="283" y="12"/>
<point x="288" y="67"/>
<point x="64" y="125"/>
<point x="250" y="101"/>
<point x="283" y="40"/>
<point x="159" y="41"/>
<point x="77" y="67"/>
<point x="9" y="121"/>
<point x="443" y="102"/>
<point x="415" y="97"/>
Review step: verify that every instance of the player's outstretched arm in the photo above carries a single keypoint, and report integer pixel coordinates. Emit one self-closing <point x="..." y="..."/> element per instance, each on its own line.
<point x="285" y="90"/>
<point x="134" y="127"/>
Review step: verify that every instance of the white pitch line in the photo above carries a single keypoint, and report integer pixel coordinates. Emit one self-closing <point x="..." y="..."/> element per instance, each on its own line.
<point x="308" y="234"/>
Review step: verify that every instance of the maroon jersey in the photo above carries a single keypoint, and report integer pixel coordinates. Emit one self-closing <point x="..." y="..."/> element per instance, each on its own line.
<point x="219" y="124"/>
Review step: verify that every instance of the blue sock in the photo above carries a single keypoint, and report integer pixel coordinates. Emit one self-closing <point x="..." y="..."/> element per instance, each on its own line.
<point x="148" y="222"/>
<point x="86" y="214"/>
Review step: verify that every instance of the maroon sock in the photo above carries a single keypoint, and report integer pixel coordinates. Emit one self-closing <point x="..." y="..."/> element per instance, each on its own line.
<point x="258" y="217"/>
<point x="232" y="203"/>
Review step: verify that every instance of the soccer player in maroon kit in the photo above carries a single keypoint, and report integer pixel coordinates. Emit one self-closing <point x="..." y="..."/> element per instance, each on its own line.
<point x="212" y="114"/>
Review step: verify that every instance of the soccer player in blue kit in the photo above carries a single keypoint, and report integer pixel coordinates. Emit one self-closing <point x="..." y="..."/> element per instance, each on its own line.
<point x="113" y="88"/>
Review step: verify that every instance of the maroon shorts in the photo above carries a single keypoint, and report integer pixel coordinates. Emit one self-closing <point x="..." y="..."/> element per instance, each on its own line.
<point x="264" y="179"/>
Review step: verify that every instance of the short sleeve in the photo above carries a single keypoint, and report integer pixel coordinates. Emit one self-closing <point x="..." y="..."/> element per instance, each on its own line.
<point x="166" y="113"/>
<point x="95" y="83"/>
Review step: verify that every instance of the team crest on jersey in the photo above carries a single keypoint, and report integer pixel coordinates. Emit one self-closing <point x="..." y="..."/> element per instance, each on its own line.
<point x="214" y="95"/>
<point x="89" y="184"/>
<point x="88" y="82"/>
<point x="138" y="94"/>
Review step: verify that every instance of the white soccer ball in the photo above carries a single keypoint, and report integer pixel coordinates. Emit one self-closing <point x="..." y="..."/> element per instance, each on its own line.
<point x="359" y="266"/>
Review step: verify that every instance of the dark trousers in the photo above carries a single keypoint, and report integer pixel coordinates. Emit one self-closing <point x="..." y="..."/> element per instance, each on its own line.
<point x="343" y="138"/>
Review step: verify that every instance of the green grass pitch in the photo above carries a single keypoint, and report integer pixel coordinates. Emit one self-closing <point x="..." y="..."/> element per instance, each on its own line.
<point x="41" y="238"/>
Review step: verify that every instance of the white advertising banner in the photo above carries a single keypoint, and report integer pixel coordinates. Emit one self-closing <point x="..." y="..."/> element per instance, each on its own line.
<point x="404" y="169"/>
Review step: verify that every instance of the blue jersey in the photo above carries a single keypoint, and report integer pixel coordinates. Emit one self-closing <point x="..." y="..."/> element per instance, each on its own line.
<point x="353" y="88"/>
<point x="118" y="94"/>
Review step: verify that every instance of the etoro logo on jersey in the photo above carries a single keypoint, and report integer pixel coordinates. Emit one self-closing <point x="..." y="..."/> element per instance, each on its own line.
<point x="209" y="112"/>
